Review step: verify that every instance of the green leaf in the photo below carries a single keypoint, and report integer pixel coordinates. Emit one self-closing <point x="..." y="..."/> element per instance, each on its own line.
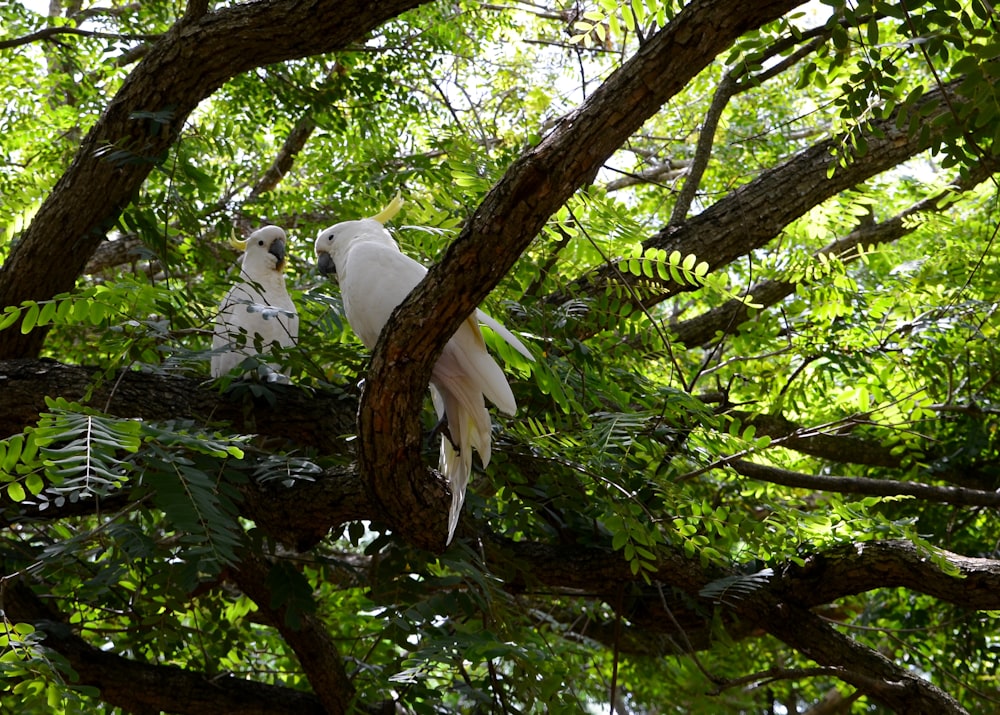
<point x="30" y="318"/>
<point x="47" y="313"/>
<point x="10" y="316"/>
<point x="34" y="483"/>
<point x="11" y="453"/>
<point x="16" y="492"/>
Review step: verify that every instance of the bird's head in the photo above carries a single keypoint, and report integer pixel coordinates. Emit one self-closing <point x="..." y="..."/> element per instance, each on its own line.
<point x="332" y="243"/>
<point x="264" y="250"/>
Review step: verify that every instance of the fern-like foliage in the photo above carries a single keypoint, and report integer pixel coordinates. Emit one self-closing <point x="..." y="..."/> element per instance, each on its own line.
<point x="83" y="452"/>
<point x="730" y="589"/>
<point x="187" y="473"/>
<point x="192" y="480"/>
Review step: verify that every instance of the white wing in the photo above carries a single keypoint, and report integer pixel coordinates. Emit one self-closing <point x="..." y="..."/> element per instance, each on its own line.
<point x="497" y="327"/>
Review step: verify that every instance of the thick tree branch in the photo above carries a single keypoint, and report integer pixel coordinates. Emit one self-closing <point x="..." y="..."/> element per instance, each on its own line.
<point x="856" y="568"/>
<point x="300" y="416"/>
<point x="144" y="119"/>
<point x="703" y="328"/>
<point x="298" y="517"/>
<point x="838" y="447"/>
<point x="749" y="217"/>
<point x="846" y="448"/>
<point x="309" y="638"/>
<point x="303" y="515"/>
<point x="144" y="687"/>
<point x="123" y="249"/>
<point x="900" y="688"/>
<point x="780" y="608"/>
<point x="319" y="420"/>
<point x="826" y="576"/>
<point x="511" y="215"/>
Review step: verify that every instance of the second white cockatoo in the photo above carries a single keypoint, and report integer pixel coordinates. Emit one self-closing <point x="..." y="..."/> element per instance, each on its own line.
<point x="257" y="307"/>
<point x="375" y="277"/>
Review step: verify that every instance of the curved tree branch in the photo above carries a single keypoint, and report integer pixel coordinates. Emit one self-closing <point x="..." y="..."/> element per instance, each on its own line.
<point x="748" y="218"/>
<point x="900" y="688"/>
<point x="144" y="687"/>
<point x="321" y="663"/>
<point x="703" y="328"/>
<point x="511" y="215"/>
<point x="855" y="568"/>
<point x="703" y="148"/>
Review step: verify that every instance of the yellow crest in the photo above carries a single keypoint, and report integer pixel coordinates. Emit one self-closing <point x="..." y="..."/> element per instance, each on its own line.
<point x="236" y="243"/>
<point x="390" y="210"/>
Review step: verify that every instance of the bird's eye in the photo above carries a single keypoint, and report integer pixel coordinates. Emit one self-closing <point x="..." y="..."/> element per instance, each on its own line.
<point x="260" y="242"/>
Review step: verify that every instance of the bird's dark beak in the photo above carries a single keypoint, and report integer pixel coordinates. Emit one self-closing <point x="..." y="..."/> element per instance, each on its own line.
<point x="277" y="250"/>
<point x="325" y="264"/>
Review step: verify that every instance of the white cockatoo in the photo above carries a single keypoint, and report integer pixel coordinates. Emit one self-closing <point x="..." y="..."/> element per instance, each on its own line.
<point x="375" y="277"/>
<point x="257" y="307"/>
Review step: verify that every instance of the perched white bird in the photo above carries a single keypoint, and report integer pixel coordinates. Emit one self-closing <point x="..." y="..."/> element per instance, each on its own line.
<point x="374" y="278"/>
<point x="257" y="307"/>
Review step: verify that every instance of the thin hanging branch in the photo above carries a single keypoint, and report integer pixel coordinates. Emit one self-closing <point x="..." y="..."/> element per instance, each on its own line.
<point x="958" y="496"/>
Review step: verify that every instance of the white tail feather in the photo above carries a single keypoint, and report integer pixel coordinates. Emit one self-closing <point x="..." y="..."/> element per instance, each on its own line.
<point x="469" y="427"/>
<point x="499" y="328"/>
<point x="452" y="464"/>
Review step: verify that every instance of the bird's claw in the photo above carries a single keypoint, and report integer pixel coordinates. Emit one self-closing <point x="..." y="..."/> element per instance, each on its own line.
<point x="441" y="428"/>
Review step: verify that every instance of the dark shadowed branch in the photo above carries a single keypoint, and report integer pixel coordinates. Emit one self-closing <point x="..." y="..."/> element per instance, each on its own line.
<point x="143" y="687"/>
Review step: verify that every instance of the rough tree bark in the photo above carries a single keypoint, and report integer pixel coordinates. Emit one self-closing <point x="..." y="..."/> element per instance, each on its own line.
<point x="298" y="416"/>
<point x="92" y="193"/>
<point x="511" y="215"/>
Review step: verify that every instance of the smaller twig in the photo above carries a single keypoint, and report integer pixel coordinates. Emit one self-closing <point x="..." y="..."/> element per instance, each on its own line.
<point x="962" y="496"/>
<point x="703" y="149"/>
<point x="773" y="674"/>
<point x="543" y="272"/>
<point x="689" y="647"/>
<point x="48" y="33"/>
<point x="194" y="11"/>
